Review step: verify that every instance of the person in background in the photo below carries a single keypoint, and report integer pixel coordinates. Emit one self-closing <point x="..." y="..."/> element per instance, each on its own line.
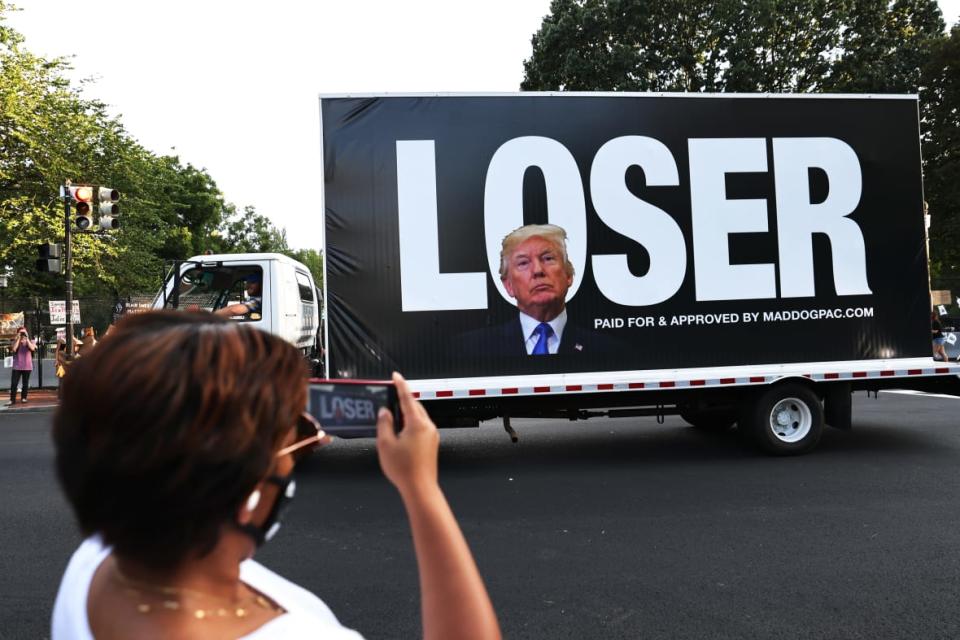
<point x="936" y="328"/>
<point x="251" y="308"/>
<point x="60" y="363"/>
<point x="22" y="347"/>
<point x="177" y="480"/>
<point x="88" y="342"/>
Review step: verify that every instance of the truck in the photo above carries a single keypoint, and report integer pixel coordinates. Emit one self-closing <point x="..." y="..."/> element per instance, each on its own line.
<point x="747" y="260"/>
<point x="289" y="303"/>
<point x="742" y="261"/>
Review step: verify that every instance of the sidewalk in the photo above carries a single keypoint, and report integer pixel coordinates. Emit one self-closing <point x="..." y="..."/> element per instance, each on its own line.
<point x="49" y="378"/>
<point x="38" y="400"/>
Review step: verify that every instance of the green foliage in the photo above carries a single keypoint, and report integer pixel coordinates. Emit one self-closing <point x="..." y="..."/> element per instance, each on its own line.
<point x="732" y="45"/>
<point x="249" y="232"/>
<point x="940" y="102"/>
<point x="42" y="132"/>
<point x="885" y="46"/>
<point x="189" y="205"/>
<point x="50" y="132"/>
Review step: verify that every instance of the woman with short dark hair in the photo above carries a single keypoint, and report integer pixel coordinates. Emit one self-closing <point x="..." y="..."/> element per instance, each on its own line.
<point x="176" y="442"/>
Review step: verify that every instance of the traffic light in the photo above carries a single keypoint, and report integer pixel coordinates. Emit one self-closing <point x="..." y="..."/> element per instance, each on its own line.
<point x="82" y="197"/>
<point x="108" y="208"/>
<point x="49" y="261"/>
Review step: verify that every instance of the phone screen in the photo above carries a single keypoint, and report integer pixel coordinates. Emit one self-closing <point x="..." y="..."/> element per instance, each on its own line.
<point x="348" y="408"/>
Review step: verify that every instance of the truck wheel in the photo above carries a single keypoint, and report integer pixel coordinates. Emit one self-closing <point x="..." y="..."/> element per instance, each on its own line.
<point x="712" y="421"/>
<point x="785" y="420"/>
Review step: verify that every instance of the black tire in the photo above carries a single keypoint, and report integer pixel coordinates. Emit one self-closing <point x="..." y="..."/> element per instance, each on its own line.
<point x="714" y="421"/>
<point x="784" y="420"/>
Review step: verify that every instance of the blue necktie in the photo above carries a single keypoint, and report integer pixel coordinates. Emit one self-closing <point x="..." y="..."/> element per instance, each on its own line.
<point x="544" y="331"/>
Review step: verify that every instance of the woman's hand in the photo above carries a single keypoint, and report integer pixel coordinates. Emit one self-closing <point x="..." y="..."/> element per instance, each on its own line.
<point x="408" y="458"/>
<point x="453" y="599"/>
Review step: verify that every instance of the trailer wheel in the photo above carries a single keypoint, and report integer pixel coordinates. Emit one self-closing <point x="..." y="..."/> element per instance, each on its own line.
<point x="712" y="421"/>
<point x="785" y="420"/>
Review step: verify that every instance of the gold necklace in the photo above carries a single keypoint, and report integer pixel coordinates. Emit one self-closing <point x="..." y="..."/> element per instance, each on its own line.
<point x="174" y="599"/>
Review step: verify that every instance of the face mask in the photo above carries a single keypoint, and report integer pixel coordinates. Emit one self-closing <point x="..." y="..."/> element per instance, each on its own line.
<point x="286" y="488"/>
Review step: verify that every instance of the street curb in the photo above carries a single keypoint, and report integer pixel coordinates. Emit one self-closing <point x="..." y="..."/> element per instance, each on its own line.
<point x="42" y="399"/>
<point x="34" y="409"/>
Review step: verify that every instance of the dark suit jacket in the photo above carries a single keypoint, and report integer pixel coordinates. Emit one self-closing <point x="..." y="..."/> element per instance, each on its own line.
<point x="506" y="340"/>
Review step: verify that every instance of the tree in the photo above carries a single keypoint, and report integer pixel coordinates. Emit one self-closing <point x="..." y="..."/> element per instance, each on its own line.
<point x="941" y="150"/>
<point x="732" y="45"/>
<point x="190" y="207"/>
<point x="250" y="232"/>
<point x="49" y="132"/>
<point x="885" y="46"/>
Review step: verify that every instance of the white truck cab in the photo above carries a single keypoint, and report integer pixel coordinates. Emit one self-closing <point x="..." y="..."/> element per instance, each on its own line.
<point x="288" y="303"/>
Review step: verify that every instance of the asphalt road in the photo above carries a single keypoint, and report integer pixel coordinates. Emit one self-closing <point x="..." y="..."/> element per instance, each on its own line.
<point x="600" y="529"/>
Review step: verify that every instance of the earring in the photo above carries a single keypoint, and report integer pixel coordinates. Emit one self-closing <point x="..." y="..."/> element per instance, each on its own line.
<point x="253" y="500"/>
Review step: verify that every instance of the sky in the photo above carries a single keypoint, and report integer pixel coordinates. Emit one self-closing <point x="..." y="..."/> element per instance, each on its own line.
<point x="232" y="85"/>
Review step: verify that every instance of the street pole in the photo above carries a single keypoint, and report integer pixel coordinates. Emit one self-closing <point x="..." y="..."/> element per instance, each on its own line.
<point x="68" y="267"/>
<point x="39" y="338"/>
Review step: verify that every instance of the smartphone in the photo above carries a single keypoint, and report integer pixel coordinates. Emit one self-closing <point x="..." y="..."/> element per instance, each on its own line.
<point x="348" y="408"/>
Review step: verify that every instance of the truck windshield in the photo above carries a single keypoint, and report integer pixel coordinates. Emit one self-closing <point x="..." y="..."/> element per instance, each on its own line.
<point x="232" y="291"/>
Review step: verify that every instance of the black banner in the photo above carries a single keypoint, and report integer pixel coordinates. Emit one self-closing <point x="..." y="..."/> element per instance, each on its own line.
<point x="700" y="231"/>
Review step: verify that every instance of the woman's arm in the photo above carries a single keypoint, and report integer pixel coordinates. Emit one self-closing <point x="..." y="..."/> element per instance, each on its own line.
<point x="454" y="601"/>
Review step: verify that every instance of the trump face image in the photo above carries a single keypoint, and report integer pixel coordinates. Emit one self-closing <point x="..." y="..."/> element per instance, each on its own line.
<point x="535" y="270"/>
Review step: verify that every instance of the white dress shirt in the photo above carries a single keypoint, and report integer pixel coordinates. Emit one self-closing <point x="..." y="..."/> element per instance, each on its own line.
<point x="531" y="337"/>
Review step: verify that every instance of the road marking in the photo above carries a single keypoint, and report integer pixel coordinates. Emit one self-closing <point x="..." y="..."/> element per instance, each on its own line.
<point x="910" y="392"/>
